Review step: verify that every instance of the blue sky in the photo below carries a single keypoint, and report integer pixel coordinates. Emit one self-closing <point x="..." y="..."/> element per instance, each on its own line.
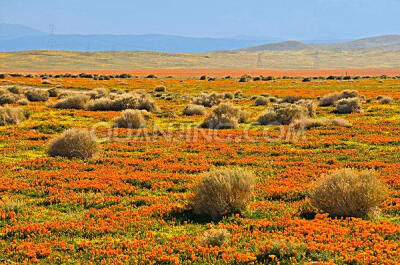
<point x="290" y="19"/>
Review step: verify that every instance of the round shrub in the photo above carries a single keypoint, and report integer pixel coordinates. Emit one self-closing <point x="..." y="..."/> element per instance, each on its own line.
<point x="160" y="89"/>
<point x="208" y="100"/>
<point x="79" y="143"/>
<point x="215" y="237"/>
<point x="131" y="119"/>
<point x="224" y="116"/>
<point x="193" y="109"/>
<point x="12" y="116"/>
<point x="53" y="92"/>
<point x="283" y="113"/>
<point x="385" y="100"/>
<point x="348" y="105"/>
<point x="37" y="95"/>
<point x="348" y="193"/>
<point x="222" y="192"/>
<point x="74" y="102"/>
<point x="15" y="90"/>
<point x="261" y="101"/>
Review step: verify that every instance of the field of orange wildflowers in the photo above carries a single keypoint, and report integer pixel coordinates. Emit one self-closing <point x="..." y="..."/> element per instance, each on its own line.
<point x="130" y="203"/>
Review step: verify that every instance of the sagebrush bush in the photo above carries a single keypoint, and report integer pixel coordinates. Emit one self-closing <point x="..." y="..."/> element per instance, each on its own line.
<point x="261" y="101"/>
<point x="222" y="192"/>
<point x="243" y="116"/>
<point x="348" y="193"/>
<point x="37" y="95"/>
<point x="228" y="95"/>
<point x="9" y="98"/>
<point x="15" y="90"/>
<point x="193" y="109"/>
<point x="348" y="105"/>
<point x="12" y="116"/>
<point x="99" y="93"/>
<point x="332" y="98"/>
<point x="123" y="102"/>
<point x="208" y="100"/>
<point x="308" y="123"/>
<point x="284" y="114"/>
<point x="131" y="119"/>
<point x="215" y="237"/>
<point x="385" y="100"/>
<point x="309" y="105"/>
<point x="73" y="102"/>
<point x="224" y="116"/>
<point x="160" y="89"/>
<point x="79" y="143"/>
<point x="53" y="92"/>
<point x="290" y="99"/>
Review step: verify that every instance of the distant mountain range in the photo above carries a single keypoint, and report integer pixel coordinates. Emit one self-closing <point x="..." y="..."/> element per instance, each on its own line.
<point x="386" y="42"/>
<point x="19" y="38"/>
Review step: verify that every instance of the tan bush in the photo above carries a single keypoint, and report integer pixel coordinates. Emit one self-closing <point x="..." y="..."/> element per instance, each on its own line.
<point x="385" y="100"/>
<point x="99" y="93"/>
<point x="243" y="116"/>
<point x="12" y="116"/>
<point x="348" y="193"/>
<point x="79" y="143"/>
<point x="309" y="104"/>
<point x="146" y="102"/>
<point x="9" y="98"/>
<point x="37" y="95"/>
<point x="224" y="116"/>
<point x="308" y="123"/>
<point x="215" y="237"/>
<point x="208" y="100"/>
<point x="284" y="113"/>
<point x="348" y="105"/>
<point x="74" y="102"/>
<point x="65" y="95"/>
<point x="105" y="104"/>
<point x="193" y="109"/>
<point x="222" y="192"/>
<point x="53" y="92"/>
<point x="331" y="99"/>
<point x="22" y="101"/>
<point x="261" y="101"/>
<point x="15" y="90"/>
<point x="131" y="119"/>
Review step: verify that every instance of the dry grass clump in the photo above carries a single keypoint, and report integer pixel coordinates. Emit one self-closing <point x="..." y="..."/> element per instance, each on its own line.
<point x="215" y="237"/>
<point x="79" y="143"/>
<point x="308" y="123"/>
<point x="132" y="119"/>
<point x="193" y="109"/>
<point x="332" y="98"/>
<point x="348" y="193"/>
<point x="22" y="101"/>
<point x="99" y="93"/>
<point x="290" y="99"/>
<point x="73" y="102"/>
<point x="385" y="100"/>
<point x="37" y="95"/>
<point x="222" y="192"/>
<point x="284" y="113"/>
<point x="123" y="102"/>
<point x="160" y="89"/>
<point x="12" y="116"/>
<point x="208" y="100"/>
<point x="348" y="105"/>
<point x="243" y="116"/>
<point x="9" y="98"/>
<point x="15" y="90"/>
<point x="224" y="116"/>
<point x="261" y="101"/>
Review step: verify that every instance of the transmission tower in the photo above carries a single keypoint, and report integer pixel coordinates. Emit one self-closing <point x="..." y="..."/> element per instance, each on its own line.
<point x="50" y="36"/>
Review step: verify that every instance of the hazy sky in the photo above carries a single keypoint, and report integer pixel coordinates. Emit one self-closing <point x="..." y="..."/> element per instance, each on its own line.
<point x="293" y="19"/>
